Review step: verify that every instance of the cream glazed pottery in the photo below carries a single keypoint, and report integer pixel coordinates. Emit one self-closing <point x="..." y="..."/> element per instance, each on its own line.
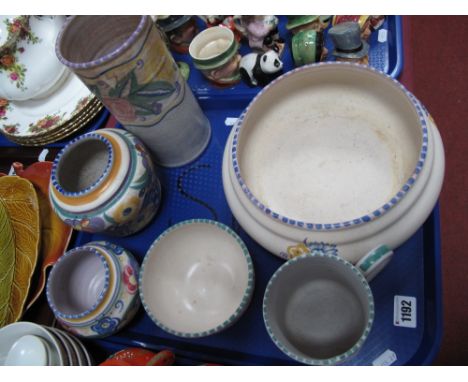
<point x="197" y="278"/>
<point x="380" y="200"/>
<point x="318" y="308"/>
<point x="105" y="182"/>
<point x="130" y="69"/>
<point x="93" y="289"/>
<point x="29" y="68"/>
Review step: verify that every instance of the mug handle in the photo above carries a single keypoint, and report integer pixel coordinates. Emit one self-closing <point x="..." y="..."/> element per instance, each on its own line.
<point x="374" y="261"/>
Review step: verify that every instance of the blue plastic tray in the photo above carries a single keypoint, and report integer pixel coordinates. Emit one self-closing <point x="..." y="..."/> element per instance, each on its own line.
<point x="386" y="56"/>
<point x="195" y="191"/>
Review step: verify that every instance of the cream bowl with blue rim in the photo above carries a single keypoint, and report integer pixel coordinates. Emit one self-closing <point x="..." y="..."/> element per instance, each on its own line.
<point x="318" y="308"/>
<point x="333" y="155"/>
<point x="93" y="289"/>
<point x="197" y="278"/>
<point x="105" y="182"/>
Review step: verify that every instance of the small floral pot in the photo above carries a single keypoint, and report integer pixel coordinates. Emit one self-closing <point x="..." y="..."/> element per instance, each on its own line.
<point x="92" y="289"/>
<point x="105" y="182"/>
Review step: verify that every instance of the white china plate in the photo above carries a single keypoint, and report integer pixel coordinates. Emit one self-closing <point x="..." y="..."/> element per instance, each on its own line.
<point x="11" y="333"/>
<point x="43" y="116"/>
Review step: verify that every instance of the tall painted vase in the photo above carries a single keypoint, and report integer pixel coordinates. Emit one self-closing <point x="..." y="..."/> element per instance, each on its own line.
<point x="105" y="182"/>
<point x="125" y="62"/>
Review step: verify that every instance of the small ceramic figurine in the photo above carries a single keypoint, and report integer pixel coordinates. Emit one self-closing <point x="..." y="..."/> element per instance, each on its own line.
<point x="348" y="43"/>
<point x="180" y="30"/>
<point x="260" y="68"/>
<point x="367" y="24"/>
<point x="261" y="31"/>
<point x="307" y="47"/>
<point x="296" y="24"/>
<point x="214" y="52"/>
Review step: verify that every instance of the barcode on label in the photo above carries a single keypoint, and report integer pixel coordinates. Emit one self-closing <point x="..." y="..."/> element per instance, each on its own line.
<point x="404" y="311"/>
<point x="387" y="358"/>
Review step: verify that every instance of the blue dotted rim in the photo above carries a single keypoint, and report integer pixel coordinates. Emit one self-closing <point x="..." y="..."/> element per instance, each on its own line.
<point x="71" y="145"/>
<point x="315" y="361"/>
<point x="245" y="299"/>
<point x="64" y="257"/>
<point x="108" y="57"/>
<point x="338" y="225"/>
<point x="116" y="289"/>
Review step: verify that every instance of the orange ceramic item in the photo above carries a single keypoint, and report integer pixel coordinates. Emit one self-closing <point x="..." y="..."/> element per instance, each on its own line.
<point x="55" y="235"/>
<point x="140" y="357"/>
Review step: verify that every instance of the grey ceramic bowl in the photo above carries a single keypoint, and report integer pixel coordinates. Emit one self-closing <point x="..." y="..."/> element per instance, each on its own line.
<point x="318" y="309"/>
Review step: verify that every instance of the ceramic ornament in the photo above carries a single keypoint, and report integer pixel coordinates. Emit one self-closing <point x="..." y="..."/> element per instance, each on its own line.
<point x="349" y="47"/>
<point x="346" y="160"/>
<point x="130" y="69"/>
<point x="260" y="68"/>
<point x="105" y="182"/>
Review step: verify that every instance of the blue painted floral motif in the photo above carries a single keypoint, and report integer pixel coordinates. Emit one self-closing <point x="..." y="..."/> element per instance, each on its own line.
<point x="106" y="325"/>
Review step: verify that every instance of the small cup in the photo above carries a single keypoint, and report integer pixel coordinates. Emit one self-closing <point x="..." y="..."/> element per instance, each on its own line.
<point x="319" y="309"/>
<point x="307" y="47"/>
<point x="214" y="53"/>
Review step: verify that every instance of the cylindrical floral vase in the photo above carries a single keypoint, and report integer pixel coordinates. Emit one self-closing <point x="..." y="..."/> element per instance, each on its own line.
<point x="105" y="182"/>
<point x="126" y="63"/>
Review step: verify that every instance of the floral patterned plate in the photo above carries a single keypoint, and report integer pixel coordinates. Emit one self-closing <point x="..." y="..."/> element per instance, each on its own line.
<point x="65" y="130"/>
<point x="41" y="117"/>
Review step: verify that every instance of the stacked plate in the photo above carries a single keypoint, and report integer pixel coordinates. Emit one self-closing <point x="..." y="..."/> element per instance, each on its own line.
<point x="37" y="122"/>
<point x="29" y="344"/>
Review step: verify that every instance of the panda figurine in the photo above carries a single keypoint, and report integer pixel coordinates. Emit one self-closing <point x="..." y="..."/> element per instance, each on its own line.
<point x="260" y="68"/>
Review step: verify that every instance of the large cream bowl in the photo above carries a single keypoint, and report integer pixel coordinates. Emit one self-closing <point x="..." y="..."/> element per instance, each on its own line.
<point x="333" y="156"/>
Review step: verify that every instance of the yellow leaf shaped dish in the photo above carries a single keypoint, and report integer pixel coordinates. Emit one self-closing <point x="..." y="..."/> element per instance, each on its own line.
<point x="55" y="234"/>
<point x="19" y="245"/>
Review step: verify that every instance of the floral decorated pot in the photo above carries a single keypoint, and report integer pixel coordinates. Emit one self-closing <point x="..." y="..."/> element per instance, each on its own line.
<point x="29" y="67"/>
<point x="130" y="69"/>
<point x="93" y="289"/>
<point x="105" y="182"/>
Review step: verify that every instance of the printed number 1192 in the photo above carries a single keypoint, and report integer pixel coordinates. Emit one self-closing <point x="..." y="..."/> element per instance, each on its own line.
<point x="404" y="311"/>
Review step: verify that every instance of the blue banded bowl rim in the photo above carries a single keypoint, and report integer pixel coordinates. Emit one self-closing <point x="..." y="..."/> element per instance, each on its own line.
<point x="107" y="57"/>
<point x="246" y="298"/>
<point x="105" y="289"/>
<point x="110" y="162"/>
<point x="311" y="226"/>
<point x="340" y="358"/>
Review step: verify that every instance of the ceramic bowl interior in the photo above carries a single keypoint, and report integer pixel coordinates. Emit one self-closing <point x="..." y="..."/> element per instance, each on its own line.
<point x="13" y="332"/>
<point x="328" y="143"/>
<point x="107" y="33"/>
<point x="78" y="283"/>
<point x="83" y="164"/>
<point x="194" y="278"/>
<point x="211" y="43"/>
<point x="316" y="308"/>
